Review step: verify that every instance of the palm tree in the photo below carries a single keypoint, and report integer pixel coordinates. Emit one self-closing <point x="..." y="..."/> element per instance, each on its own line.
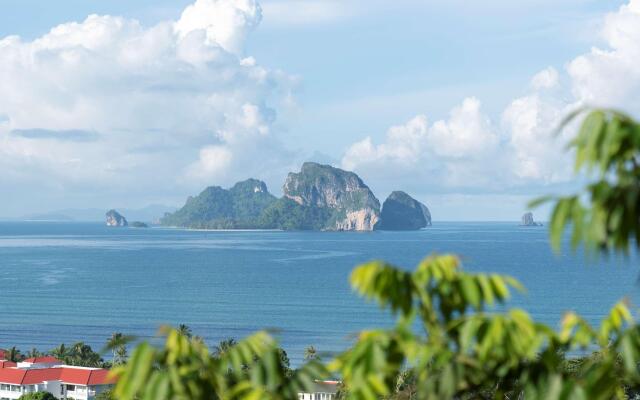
<point x="184" y="330"/>
<point x="13" y="354"/>
<point x="33" y="353"/>
<point x="83" y="355"/>
<point x="223" y="346"/>
<point x="61" y="352"/>
<point x="310" y="353"/>
<point x="117" y="343"/>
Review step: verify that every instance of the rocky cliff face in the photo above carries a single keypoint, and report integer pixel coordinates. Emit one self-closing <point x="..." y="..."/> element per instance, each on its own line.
<point x="527" y="220"/>
<point x="316" y="185"/>
<point x="115" y="219"/>
<point x="402" y="212"/>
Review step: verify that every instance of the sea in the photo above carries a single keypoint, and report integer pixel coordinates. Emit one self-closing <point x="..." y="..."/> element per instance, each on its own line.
<point x="63" y="282"/>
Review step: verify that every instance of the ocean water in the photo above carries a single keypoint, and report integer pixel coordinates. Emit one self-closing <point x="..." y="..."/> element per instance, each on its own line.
<point x="67" y="282"/>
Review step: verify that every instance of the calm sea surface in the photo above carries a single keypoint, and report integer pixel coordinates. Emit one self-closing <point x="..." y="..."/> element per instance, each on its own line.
<point x="66" y="282"/>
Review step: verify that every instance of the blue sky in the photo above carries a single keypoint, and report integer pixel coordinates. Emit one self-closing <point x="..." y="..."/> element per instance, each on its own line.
<point x="339" y="72"/>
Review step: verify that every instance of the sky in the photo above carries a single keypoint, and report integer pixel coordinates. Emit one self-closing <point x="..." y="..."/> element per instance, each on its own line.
<point x="124" y="104"/>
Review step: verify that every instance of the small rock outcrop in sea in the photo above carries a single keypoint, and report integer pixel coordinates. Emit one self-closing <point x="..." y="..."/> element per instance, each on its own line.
<point x="353" y="205"/>
<point x="527" y="220"/>
<point x="115" y="219"/>
<point x="138" y="224"/>
<point x="401" y="212"/>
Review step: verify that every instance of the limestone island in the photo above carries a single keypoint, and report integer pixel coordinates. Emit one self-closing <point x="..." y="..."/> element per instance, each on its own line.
<point x="115" y="219"/>
<point x="401" y="212"/>
<point x="527" y="220"/>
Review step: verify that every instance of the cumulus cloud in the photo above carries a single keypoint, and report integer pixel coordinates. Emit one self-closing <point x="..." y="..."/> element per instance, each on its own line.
<point x="545" y="79"/>
<point x="107" y="102"/>
<point x="225" y="22"/>
<point x="429" y="153"/>
<point x="611" y="76"/>
<point x="519" y="150"/>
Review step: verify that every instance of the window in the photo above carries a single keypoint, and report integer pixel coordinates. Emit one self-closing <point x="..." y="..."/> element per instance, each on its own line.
<point x="5" y="387"/>
<point x="71" y="388"/>
<point x="15" y="388"/>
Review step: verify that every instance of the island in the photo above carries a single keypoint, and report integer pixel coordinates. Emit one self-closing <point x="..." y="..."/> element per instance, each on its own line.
<point x="350" y="205"/>
<point x="138" y="224"/>
<point x="115" y="219"/>
<point x="401" y="212"/>
<point x="318" y="197"/>
<point x="239" y="207"/>
<point x="527" y="220"/>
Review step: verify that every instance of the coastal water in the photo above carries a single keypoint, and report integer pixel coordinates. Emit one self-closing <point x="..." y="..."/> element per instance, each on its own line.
<point x="67" y="282"/>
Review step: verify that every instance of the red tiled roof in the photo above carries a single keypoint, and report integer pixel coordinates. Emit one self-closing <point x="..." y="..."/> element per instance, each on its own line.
<point x="75" y="376"/>
<point x="79" y="376"/>
<point x="12" y="375"/>
<point x="33" y="376"/>
<point x="7" y="364"/>
<point x="43" y="360"/>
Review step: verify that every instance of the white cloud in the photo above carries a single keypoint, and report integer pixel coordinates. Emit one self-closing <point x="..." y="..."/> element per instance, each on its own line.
<point x="467" y="133"/>
<point x="405" y="144"/>
<point x="534" y="152"/>
<point x="545" y="79"/>
<point x="177" y="103"/>
<point x="212" y="162"/>
<point x="468" y="151"/>
<point x="611" y="76"/>
<point x="226" y="22"/>
<point x="429" y="153"/>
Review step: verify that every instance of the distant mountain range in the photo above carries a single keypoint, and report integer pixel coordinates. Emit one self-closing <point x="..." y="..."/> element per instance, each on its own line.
<point x="319" y="197"/>
<point x="151" y="213"/>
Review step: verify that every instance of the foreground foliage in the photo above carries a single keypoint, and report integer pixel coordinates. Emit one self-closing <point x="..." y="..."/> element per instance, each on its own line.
<point x="450" y="341"/>
<point x="605" y="215"/>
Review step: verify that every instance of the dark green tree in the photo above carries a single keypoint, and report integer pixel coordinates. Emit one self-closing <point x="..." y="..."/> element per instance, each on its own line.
<point x="223" y="347"/>
<point x="33" y="353"/>
<point x="185" y="330"/>
<point x="82" y="354"/>
<point x="61" y="353"/>
<point x="13" y="354"/>
<point x="117" y="344"/>
<point x="310" y="353"/>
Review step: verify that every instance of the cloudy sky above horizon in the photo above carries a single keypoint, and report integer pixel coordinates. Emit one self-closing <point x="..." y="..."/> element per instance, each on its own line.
<point x="109" y="104"/>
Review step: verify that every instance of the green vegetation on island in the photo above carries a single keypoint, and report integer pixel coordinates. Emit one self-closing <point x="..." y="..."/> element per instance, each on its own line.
<point x="286" y="214"/>
<point x="216" y="208"/>
<point x="138" y="224"/>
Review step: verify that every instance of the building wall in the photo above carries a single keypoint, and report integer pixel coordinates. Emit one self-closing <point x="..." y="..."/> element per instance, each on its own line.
<point x="10" y="391"/>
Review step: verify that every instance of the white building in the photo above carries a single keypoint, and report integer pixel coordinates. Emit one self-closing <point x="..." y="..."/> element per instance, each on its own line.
<point x="48" y="374"/>
<point x="322" y="390"/>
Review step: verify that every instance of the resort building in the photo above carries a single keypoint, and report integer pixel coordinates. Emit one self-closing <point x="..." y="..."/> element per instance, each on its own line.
<point x="48" y="374"/>
<point x="323" y="390"/>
